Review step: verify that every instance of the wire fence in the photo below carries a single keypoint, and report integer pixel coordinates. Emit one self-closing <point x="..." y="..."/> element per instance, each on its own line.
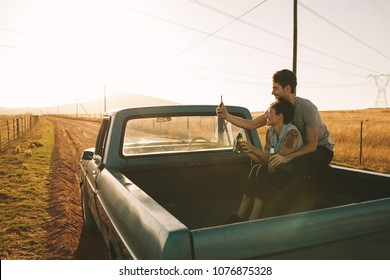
<point x="12" y="128"/>
<point x="87" y="117"/>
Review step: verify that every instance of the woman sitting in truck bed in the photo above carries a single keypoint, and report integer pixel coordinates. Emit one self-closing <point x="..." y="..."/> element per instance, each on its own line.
<point x="264" y="184"/>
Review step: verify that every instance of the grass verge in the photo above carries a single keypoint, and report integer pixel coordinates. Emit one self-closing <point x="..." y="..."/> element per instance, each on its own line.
<point x="24" y="172"/>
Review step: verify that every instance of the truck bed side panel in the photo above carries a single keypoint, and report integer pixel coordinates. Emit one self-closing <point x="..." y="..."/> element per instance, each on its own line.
<point x="263" y="238"/>
<point x="146" y="229"/>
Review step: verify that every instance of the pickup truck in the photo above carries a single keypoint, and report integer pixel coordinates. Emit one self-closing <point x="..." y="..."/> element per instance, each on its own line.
<point x="161" y="182"/>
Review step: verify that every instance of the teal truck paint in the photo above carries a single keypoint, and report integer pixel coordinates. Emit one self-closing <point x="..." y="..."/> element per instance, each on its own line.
<point x="161" y="180"/>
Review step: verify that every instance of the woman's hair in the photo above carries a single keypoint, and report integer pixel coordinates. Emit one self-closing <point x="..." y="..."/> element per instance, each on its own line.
<point x="285" y="108"/>
<point x="285" y="78"/>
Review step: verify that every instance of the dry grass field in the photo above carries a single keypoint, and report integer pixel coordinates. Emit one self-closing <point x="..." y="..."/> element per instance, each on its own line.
<point x="345" y="129"/>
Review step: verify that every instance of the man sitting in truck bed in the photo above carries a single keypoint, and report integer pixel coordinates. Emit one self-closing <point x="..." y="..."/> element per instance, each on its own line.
<point x="314" y="156"/>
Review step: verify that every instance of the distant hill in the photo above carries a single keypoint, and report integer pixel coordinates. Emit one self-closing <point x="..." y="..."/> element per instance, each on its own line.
<point x="92" y="107"/>
<point x="18" y="111"/>
<point x="116" y="101"/>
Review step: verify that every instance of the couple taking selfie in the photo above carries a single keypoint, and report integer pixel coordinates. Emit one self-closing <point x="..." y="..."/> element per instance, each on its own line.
<point x="301" y="142"/>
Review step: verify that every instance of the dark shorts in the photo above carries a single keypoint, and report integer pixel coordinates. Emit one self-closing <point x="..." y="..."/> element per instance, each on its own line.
<point x="266" y="185"/>
<point x="314" y="166"/>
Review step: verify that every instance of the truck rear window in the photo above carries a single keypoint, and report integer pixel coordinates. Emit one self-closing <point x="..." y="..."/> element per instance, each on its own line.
<point x="175" y="134"/>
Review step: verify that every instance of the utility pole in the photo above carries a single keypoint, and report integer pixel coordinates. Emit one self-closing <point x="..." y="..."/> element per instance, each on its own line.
<point x="104" y="108"/>
<point x="295" y="44"/>
<point x="382" y="81"/>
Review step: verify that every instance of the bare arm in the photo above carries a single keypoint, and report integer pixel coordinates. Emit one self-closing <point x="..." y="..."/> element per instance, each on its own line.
<point x="254" y="153"/>
<point x="290" y="142"/>
<point x="240" y="122"/>
<point x="309" y="147"/>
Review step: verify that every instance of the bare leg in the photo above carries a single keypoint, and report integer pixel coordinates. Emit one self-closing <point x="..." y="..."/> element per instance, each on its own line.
<point x="245" y="207"/>
<point x="256" y="210"/>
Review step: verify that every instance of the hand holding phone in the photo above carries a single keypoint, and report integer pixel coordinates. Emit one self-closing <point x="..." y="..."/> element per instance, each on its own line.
<point x="221" y="111"/>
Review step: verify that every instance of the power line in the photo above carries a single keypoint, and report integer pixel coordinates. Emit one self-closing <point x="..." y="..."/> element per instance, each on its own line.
<point x="256" y="76"/>
<point x="13" y="47"/>
<point x="243" y="21"/>
<point x="191" y="28"/>
<point x="314" y="85"/>
<point x="302" y="84"/>
<point x="257" y="83"/>
<point x="219" y="70"/>
<point x="14" y="50"/>
<point x="380" y="8"/>
<point x="225" y="39"/>
<point x="216" y="31"/>
<point x="14" y="31"/>
<point x="213" y="34"/>
<point x="205" y="77"/>
<point x="279" y="36"/>
<point x="124" y="7"/>
<point x="342" y="30"/>
<point x="338" y="59"/>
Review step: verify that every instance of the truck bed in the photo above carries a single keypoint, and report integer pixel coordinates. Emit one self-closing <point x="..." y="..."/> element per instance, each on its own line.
<point x="204" y="214"/>
<point x="202" y="193"/>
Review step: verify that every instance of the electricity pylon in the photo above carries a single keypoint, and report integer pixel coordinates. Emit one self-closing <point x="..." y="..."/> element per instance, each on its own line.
<point x="382" y="82"/>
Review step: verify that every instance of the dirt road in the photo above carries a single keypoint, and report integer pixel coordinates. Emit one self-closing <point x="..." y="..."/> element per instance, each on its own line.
<point x="67" y="239"/>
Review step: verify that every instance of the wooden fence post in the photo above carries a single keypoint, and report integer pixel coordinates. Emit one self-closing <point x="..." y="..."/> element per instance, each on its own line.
<point x="361" y="144"/>
<point x="8" y="129"/>
<point x="17" y="128"/>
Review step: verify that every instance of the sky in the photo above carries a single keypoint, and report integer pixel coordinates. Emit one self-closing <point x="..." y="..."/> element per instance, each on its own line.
<point x="55" y="52"/>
